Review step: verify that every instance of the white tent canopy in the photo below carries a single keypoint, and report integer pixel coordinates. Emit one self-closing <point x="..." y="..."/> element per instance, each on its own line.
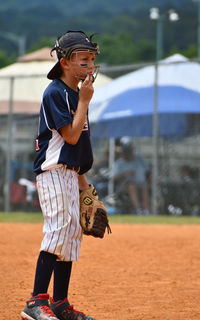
<point x="185" y="76"/>
<point x="30" y="80"/>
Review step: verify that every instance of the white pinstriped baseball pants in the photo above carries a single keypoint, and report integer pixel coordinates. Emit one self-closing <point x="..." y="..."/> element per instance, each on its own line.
<point x="59" y="200"/>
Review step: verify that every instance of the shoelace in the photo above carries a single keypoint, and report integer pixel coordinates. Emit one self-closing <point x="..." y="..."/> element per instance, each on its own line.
<point x="48" y="310"/>
<point x="71" y="308"/>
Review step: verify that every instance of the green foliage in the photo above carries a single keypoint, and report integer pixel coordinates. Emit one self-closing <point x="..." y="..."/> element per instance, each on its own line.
<point x="146" y="50"/>
<point x="5" y="59"/>
<point x="43" y="42"/>
<point x="117" y="49"/>
<point x="79" y="7"/>
<point x="121" y="49"/>
<point x="191" y="51"/>
<point x="126" y="33"/>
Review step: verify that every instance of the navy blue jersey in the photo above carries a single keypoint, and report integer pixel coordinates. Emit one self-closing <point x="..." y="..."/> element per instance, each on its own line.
<point x="58" y="107"/>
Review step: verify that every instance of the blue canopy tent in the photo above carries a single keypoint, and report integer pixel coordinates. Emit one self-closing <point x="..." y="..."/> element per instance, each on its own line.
<point x="153" y="101"/>
<point x="125" y="107"/>
<point x="118" y="121"/>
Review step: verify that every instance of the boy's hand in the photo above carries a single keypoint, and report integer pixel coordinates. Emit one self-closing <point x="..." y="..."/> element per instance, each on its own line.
<point x="86" y="90"/>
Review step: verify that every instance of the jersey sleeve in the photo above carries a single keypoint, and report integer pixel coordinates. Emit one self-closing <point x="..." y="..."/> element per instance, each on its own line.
<point x="56" y="109"/>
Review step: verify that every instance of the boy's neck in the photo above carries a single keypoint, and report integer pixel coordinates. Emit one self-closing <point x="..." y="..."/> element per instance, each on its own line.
<point x="72" y="83"/>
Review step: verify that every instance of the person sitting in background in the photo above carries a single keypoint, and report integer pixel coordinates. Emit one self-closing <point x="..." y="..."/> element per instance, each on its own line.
<point x="99" y="174"/>
<point x="186" y="174"/>
<point x="130" y="175"/>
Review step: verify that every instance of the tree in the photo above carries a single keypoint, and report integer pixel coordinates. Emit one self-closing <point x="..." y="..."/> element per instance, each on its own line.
<point x="5" y="59"/>
<point x="146" y="50"/>
<point x="117" y="49"/>
<point x="43" y="42"/>
<point x="191" y="51"/>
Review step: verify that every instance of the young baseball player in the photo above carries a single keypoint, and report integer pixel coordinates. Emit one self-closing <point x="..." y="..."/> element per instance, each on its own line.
<point x="64" y="155"/>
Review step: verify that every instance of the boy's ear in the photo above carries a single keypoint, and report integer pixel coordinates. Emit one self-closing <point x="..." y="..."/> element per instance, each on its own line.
<point x="64" y="63"/>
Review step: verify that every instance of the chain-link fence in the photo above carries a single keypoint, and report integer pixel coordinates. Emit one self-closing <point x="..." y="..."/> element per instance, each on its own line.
<point x="173" y="176"/>
<point x="178" y="175"/>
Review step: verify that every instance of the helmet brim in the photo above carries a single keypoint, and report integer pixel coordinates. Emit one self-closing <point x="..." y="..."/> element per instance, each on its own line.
<point x="55" y="72"/>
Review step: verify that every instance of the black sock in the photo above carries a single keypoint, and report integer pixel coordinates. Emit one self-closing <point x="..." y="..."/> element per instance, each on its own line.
<point x="44" y="269"/>
<point x="62" y="273"/>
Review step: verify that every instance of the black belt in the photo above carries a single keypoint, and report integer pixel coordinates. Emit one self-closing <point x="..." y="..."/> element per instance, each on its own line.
<point x="73" y="168"/>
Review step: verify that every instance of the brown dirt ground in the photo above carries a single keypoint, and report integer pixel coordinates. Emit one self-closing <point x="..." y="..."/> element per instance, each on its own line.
<point x="140" y="272"/>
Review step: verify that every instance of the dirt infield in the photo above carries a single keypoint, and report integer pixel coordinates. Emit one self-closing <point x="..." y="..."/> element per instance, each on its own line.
<point x="140" y="272"/>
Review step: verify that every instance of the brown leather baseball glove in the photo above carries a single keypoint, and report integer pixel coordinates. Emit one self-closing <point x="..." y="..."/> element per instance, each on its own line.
<point x="93" y="215"/>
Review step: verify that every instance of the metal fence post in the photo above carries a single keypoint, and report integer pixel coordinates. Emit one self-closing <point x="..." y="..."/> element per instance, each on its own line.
<point x="111" y="161"/>
<point x="9" y="148"/>
<point x="155" y="146"/>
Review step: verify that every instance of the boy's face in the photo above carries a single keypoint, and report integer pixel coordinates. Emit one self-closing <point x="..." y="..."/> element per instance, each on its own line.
<point x="83" y="63"/>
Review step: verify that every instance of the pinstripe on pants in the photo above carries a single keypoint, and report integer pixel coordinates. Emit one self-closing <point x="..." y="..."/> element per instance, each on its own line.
<point x="59" y="200"/>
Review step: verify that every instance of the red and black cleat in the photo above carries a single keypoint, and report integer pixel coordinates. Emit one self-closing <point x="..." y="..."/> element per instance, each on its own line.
<point x="37" y="308"/>
<point x="64" y="311"/>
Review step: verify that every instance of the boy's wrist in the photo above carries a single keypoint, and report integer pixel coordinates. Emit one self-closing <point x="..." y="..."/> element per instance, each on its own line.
<point x="83" y="104"/>
<point x="82" y="181"/>
<point x="84" y="186"/>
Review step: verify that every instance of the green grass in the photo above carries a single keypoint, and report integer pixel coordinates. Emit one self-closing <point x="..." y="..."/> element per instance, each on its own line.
<point x="21" y="217"/>
<point x="155" y="219"/>
<point x="36" y="217"/>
